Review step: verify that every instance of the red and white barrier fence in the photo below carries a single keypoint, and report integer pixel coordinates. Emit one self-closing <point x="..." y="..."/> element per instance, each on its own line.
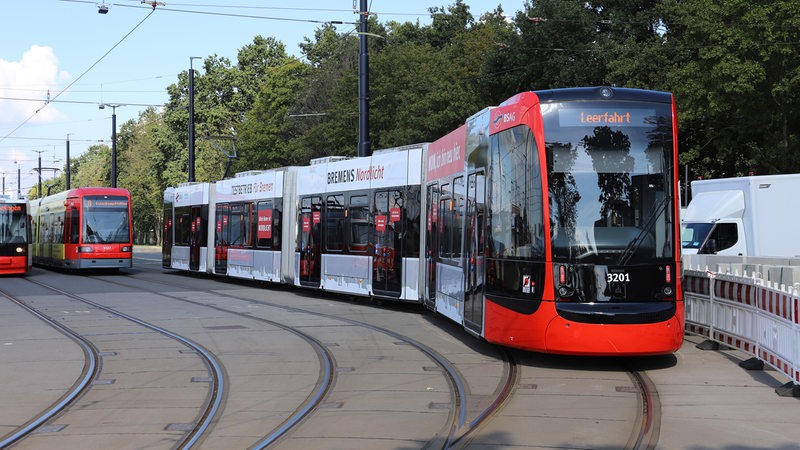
<point x="748" y="313"/>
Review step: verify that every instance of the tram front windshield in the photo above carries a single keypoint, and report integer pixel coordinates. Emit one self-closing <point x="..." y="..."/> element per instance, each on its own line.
<point x="106" y="220"/>
<point x="13" y="229"/>
<point x="610" y="181"/>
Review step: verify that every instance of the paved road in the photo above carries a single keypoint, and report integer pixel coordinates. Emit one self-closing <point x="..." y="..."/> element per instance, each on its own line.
<point x="386" y="395"/>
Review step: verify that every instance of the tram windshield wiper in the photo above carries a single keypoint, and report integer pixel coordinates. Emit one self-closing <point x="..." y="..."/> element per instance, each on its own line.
<point x="634" y="244"/>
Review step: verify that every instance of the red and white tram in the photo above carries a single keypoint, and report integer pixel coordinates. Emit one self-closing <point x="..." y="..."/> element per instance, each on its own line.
<point x="547" y="223"/>
<point x="84" y="228"/>
<point x="555" y="227"/>
<point x="15" y="236"/>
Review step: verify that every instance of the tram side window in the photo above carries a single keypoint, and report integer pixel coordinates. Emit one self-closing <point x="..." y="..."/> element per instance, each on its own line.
<point x="268" y="230"/>
<point x="50" y="228"/>
<point x="459" y="206"/>
<point x="412" y="221"/>
<point x="334" y="223"/>
<point x="516" y="223"/>
<point x="239" y="225"/>
<point x="309" y="215"/>
<point x="451" y="213"/>
<point x="358" y="218"/>
<point x="183" y="225"/>
<point x="58" y="229"/>
<point x="36" y="229"/>
<point x="73" y="224"/>
<point x="445" y="211"/>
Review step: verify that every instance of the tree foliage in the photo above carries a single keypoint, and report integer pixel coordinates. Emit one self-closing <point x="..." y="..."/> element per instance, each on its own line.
<point x="733" y="66"/>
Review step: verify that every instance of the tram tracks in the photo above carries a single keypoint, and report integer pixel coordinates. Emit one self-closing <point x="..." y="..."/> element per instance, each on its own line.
<point x="644" y="432"/>
<point x="458" y="426"/>
<point x="647" y="426"/>
<point x="458" y="431"/>
<point x="92" y="369"/>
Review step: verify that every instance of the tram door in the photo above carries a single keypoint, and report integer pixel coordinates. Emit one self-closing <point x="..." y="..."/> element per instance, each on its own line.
<point x="221" y="241"/>
<point x="474" y="250"/>
<point x="51" y="235"/>
<point x="387" y="262"/>
<point x="196" y="237"/>
<point x="309" y="242"/>
<point x="166" y="236"/>
<point x="431" y="245"/>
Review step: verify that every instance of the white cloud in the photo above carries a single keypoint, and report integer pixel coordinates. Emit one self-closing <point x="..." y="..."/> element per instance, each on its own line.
<point x="30" y="78"/>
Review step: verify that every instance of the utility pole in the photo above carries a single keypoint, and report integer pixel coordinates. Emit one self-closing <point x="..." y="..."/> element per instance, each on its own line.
<point x="363" y="83"/>
<point x="191" y="118"/>
<point x="39" y="170"/>
<point x="114" y="146"/>
<point x="66" y="183"/>
<point x="113" y="142"/>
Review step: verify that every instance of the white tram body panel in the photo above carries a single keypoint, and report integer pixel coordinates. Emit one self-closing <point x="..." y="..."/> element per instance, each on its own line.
<point x="253" y="262"/>
<point x="343" y="270"/>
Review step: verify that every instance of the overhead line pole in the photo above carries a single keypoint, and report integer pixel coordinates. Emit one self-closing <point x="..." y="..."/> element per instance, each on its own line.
<point x="39" y="170"/>
<point x="66" y="183"/>
<point x="191" y="119"/>
<point x="363" y="83"/>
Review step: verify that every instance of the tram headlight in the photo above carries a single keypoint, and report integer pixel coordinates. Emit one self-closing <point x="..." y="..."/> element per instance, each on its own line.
<point x="20" y="249"/>
<point x="126" y="248"/>
<point x="85" y="249"/>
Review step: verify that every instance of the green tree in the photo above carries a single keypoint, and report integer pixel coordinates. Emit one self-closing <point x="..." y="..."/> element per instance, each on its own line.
<point x="736" y="76"/>
<point x="142" y="167"/>
<point x="222" y="96"/>
<point x="269" y="133"/>
<point x="92" y="168"/>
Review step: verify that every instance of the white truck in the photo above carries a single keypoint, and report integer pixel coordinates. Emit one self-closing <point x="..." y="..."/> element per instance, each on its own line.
<point x="746" y="216"/>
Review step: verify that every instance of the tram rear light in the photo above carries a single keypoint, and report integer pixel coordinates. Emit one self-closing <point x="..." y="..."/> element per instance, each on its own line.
<point x="564" y="291"/>
<point x="668" y="275"/>
<point x="85" y="249"/>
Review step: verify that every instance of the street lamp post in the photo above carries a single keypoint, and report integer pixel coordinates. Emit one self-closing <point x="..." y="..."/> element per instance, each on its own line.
<point x="113" y="142"/>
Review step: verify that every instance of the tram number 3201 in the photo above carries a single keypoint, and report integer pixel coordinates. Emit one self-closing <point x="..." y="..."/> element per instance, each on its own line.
<point x="621" y="277"/>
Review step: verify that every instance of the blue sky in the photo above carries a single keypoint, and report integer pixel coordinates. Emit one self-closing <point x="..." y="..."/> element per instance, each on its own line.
<point x="130" y="55"/>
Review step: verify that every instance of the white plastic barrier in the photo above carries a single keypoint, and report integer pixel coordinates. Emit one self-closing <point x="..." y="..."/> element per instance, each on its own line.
<point x="748" y="313"/>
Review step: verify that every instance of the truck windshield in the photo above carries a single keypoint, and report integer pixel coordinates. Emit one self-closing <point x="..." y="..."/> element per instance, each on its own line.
<point x="694" y="234"/>
<point x="709" y="238"/>
<point x="106" y="220"/>
<point x="610" y="181"/>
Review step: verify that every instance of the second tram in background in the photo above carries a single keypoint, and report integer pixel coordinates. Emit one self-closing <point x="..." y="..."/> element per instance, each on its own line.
<point x="83" y="228"/>
<point x="547" y="223"/>
<point x="15" y="236"/>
